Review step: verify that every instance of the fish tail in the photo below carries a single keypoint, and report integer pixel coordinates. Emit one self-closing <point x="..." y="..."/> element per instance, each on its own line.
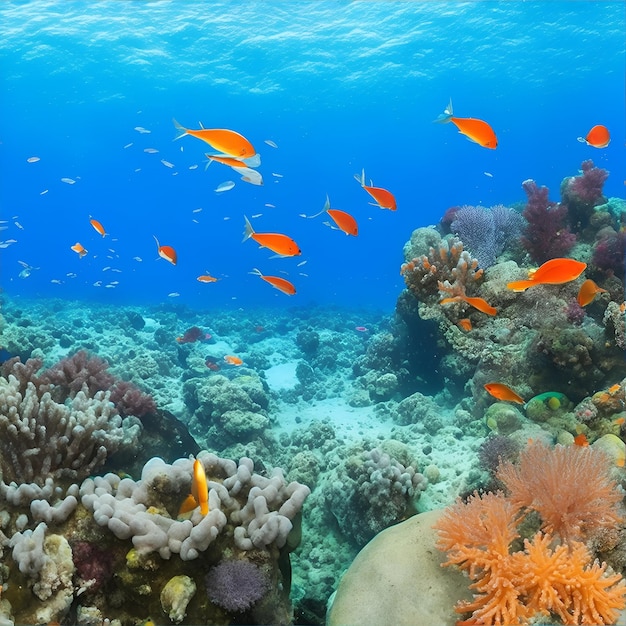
<point x="360" y="179"/>
<point x="447" y="114"/>
<point x="157" y="241"/>
<point x="520" y="285"/>
<point x="181" y="130"/>
<point x="256" y="272"/>
<point x="249" y="231"/>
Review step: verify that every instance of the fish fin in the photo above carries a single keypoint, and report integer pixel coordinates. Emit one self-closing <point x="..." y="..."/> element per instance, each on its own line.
<point x="521" y="285"/>
<point x="201" y="125"/>
<point x="581" y="139"/>
<point x="447" y="114"/>
<point x="157" y="241"/>
<point x="277" y="256"/>
<point x="253" y="161"/>
<point x="360" y="179"/>
<point x="249" y="231"/>
<point x="327" y="203"/>
<point x="181" y="130"/>
<point x="256" y="272"/>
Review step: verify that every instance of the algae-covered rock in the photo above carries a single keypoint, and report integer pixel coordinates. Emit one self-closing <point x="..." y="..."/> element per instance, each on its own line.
<point x="503" y="418"/>
<point x="176" y="595"/>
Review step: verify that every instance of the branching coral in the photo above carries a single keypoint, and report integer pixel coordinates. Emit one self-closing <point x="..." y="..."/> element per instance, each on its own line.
<point x="548" y="577"/>
<point x="448" y="267"/>
<point x="582" y="193"/>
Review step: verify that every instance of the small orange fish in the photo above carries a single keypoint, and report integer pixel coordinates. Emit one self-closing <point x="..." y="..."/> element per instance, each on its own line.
<point x="503" y="392"/>
<point x="207" y="278"/>
<point x="345" y="222"/>
<point x="79" y="249"/>
<point x="587" y="292"/>
<point x="166" y="252"/>
<point x="553" y="272"/>
<point x="282" y="284"/>
<point x="98" y="226"/>
<point x="233" y="360"/>
<point x="475" y="130"/>
<point x="226" y="141"/>
<point x="597" y="137"/>
<point x="465" y="324"/>
<point x="199" y="491"/>
<point x="225" y="160"/>
<point x="581" y="440"/>
<point x="384" y="199"/>
<point x="478" y="303"/>
<point x="613" y="389"/>
<point x="276" y="242"/>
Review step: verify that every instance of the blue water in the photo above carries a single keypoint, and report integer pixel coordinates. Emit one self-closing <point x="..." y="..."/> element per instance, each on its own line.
<point x="337" y="86"/>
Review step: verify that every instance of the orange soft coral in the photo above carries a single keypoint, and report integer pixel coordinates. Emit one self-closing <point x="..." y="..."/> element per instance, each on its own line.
<point x="569" y="486"/>
<point x="541" y="580"/>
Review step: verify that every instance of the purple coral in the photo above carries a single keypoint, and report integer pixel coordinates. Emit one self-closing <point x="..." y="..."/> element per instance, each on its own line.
<point x="608" y="254"/>
<point x="93" y="563"/>
<point x="582" y="193"/>
<point x="546" y="236"/>
<point x="486" y="232"/>
<point x="236" y="585"/>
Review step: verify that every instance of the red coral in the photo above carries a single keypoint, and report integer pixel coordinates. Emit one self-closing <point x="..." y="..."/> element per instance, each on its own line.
<point x="546" y="236"/>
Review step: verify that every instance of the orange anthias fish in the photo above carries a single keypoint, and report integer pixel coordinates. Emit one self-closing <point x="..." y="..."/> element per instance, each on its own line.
<point x="581" y="440"/>
<point x="478" y="303"/>
<point x="465" y="324"/>
<point x="231" y="359"/>
<point x="79" y="249"/>
<point x="597" y="137"/>
<point x="384" y="199"/>
<point x="345" y="222"/>
<point x="207" y="278"/>
<point x="225" y="160"/>
<point x="587" y="292"/>
<point x="199" y="491"/>
<point x="226" y="141"/>
<point x="279" y="283"/>
<point x="475" y="130"/>
<point x="166" y="252"/>
<point x="276" y="242"/>
<point x="552" y="272"/>
<point x="98" y="227"/>
<point x="500" y="391"/>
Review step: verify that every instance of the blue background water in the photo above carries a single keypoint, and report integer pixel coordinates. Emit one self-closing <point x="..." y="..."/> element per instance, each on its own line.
<point x="338" y="86"/>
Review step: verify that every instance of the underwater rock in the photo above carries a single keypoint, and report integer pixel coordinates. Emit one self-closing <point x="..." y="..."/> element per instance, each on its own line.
<point x="175" y="597"/>
<point x="503" y="418"/>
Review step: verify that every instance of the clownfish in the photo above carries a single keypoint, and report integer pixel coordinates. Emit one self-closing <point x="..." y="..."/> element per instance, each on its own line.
<point x="199" y="495"/>
<point x="475" y="130"/>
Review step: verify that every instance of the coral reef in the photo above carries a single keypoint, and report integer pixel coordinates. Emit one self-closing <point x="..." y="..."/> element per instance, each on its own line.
<point x="487" y="232"/>
<point x="546" y="235"/>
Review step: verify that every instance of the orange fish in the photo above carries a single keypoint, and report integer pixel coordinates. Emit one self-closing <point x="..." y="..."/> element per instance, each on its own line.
<point x="166" y="252"/>
<point x="79" y="249"/>
<point x="280" y="244"/>
<point x="226" y="141"/>
<point x="597" y="137"/>
<point x="613" y="389"/>
<point x="478" y="303"/>
<point x="199" y="491"/>
<point x="207" y="278"/>
<point x="225" y="160"/>
<point x="552" y="272"/>
<point x="475" y="130"/>
<point x="276" y="281"/>
<point x="233" y="360"/>
<point x="384" y="199"/>
<point x="465" y="324"/>
<point x="344" y="221"/>
<point x="503" y="392"/>
<point x="581" y="440"/>
<point x="98" y="226"/>
<point x="587" y="292"/>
